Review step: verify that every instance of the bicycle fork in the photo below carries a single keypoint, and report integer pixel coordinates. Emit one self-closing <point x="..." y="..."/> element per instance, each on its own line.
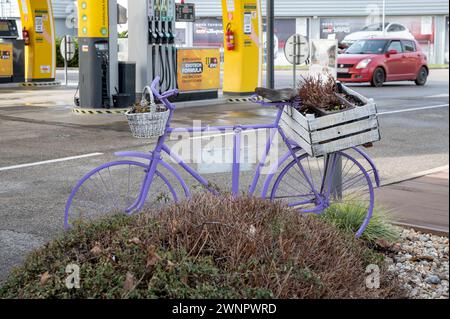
<point x="321" y="201"/>
<point x="138" y="205"/>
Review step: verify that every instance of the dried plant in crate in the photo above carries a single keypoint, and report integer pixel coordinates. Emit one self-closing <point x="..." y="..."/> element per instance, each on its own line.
<point x="320" y="96"/>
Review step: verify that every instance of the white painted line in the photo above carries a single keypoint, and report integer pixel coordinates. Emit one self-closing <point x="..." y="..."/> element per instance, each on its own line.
<point x="438" y="95"/>
<point x="414" y="109"/>
<point x="49" y="162"/>
<point x="201" y="137"/>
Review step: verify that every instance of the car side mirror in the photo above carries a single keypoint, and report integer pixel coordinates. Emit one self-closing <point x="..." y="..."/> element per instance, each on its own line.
<point x="391" y="52"/>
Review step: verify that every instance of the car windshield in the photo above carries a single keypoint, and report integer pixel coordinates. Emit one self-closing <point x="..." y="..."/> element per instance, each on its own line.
<point x="375" y="27"/>
<point x="367" y="47"/>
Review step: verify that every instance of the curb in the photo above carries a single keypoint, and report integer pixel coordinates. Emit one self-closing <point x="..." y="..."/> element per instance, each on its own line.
<point x="39" y="84"/>
<point x="29" y="84"/>
<point x="98" y="111"/>
<point x="179" y="105"/>
<point x="244" y="99"/>
<point x="421" y="228"/>
<point x="413" y="176"/>
<point x="424" y="229"/>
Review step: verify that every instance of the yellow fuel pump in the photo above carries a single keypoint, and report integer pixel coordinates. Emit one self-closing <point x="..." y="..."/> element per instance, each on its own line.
<point x="6" y="62"/>
<point x="39" y="35"/>
<point x="242" y="47"/>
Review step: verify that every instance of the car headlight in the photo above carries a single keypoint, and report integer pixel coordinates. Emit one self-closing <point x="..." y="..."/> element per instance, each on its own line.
<point x="364" y="64"/>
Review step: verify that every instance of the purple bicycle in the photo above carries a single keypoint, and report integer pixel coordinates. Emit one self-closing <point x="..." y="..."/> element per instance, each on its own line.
<point x="301" y="181"/>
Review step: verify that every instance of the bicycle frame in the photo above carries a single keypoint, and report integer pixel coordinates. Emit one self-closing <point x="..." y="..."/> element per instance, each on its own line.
<point x="321" y="197"/>
<point x="155" y="156"/>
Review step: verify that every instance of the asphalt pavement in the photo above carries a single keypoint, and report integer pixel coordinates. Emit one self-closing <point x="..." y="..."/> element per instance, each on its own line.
<point x="45" y="148"/>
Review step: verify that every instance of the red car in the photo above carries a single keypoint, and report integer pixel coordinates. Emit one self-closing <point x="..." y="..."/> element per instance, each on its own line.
<point x="381" y="60"/>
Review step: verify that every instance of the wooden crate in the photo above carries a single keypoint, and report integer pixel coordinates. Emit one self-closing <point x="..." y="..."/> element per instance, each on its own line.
<point x="319" y="136"/>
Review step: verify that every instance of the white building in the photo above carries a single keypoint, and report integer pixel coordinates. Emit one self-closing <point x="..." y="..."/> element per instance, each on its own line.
<point x="427" y="20"/>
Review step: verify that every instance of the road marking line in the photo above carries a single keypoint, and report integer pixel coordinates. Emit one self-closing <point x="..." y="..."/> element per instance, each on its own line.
<point x="438" y="95"/>
<point x="49" y="162"/>
<point x="414" y="109"/>
<point x="220" y="134"/>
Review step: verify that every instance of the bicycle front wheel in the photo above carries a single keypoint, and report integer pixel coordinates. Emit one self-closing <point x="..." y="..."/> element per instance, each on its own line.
<point x="339" y="184"/>
<point x="115" y="188"/>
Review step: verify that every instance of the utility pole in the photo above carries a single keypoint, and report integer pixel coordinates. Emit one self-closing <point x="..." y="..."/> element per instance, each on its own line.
<point x="384" y="18"/>
<point x="270" y="55"/>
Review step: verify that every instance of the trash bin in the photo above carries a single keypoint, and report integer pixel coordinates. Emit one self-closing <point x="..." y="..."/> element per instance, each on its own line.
<point x="127" y="80"/>
<point x="121" y="100"/>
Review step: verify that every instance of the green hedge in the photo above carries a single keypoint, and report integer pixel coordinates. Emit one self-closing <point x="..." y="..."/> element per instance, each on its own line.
<point x="59" y="58"/>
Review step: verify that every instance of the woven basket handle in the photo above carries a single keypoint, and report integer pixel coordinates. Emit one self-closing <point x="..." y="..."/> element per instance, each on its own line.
<point x="148" y="91"/>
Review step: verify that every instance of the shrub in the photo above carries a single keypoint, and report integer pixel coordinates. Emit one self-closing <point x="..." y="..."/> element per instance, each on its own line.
<point x="59" y="58"/>
<point x="209" y="247"/>
<point x="349" y="217"/>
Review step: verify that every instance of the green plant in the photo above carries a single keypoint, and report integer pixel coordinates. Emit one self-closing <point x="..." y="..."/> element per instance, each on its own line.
<point x="74" y="63"/>
<point x="208" y="247"/>
<point x="349" y="217"/>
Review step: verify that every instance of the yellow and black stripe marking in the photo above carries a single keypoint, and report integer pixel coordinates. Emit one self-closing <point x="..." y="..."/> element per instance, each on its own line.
<point x="244" y="99"/>
<point x="39" y="84"/>
<point x="98" y="111"/>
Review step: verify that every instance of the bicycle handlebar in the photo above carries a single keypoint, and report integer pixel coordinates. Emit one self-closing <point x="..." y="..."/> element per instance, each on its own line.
<point x="164" y="96"/>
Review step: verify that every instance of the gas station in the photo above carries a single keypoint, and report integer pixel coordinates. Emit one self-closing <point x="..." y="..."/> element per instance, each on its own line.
<point x="105" y="82"/>
<point x="32" y="58"/>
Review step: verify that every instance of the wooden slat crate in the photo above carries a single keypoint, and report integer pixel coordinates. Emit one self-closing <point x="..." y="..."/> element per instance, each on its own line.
<point x="319" y="136"/>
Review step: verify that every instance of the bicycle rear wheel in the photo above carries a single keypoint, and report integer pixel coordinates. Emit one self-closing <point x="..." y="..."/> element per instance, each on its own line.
<point x="344" y="186"/>
<point x="115" y="188"/>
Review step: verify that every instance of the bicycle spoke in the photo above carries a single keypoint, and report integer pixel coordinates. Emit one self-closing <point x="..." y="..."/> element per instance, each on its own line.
<point x="129" y="202"/>
<point x="294" y="196"/>
<point x="114" y="189"/>
<point x="355" y="186"/>
<point x="297" y="179"/>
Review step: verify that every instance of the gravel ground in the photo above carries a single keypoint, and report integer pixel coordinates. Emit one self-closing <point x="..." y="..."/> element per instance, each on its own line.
<point x="421" y="262"/>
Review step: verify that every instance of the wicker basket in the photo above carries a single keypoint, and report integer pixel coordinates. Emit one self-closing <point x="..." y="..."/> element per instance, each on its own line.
<point x="151" y="124"/>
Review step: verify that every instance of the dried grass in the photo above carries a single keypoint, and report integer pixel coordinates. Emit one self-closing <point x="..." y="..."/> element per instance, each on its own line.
<point x="209" y="247"/>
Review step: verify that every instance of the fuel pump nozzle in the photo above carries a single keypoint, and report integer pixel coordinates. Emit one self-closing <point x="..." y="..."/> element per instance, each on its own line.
<point x="170" y="34"/>
<point x="161" y="34"/>
<point x="153" y="34"/>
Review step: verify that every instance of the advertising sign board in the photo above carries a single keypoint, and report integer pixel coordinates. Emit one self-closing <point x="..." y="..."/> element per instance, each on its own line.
<point x="198" y="69"/>
<point x="324" y="58"/>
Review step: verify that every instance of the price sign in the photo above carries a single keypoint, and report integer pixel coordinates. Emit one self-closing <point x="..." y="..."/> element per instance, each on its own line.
<point x="185" y="12"/>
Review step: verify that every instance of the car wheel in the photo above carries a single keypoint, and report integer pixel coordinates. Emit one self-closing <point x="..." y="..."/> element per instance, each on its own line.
<point x="422" y="77"/>
<point x="378" y="77"/>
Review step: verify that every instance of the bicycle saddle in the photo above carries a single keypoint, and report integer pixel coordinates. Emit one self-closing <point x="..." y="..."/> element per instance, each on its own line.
<point x="276" y="95"/>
